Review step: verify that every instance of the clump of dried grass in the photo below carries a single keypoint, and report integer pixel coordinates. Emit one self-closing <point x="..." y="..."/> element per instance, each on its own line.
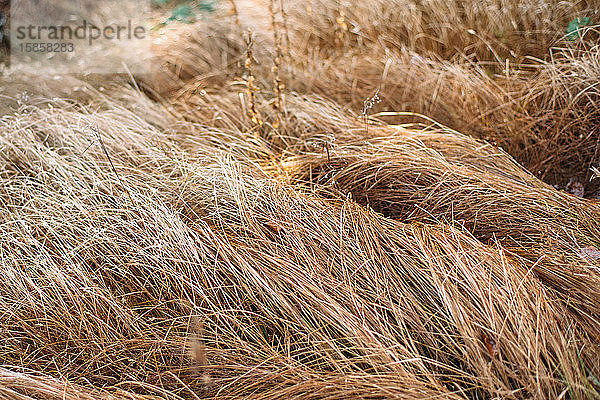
<point x="486" y="31"/>
<point x="544" y="114"/>
<point x="207" y="53"/>
<point x="414" y="175"/>
<point x="541" y="112"/>
<point x="562" y="108"/>
<point x="310" y="260"/>
<point x="296" y="294"/>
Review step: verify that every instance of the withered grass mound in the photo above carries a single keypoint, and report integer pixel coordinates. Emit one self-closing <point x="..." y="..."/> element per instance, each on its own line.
<point x="171" y="240"/>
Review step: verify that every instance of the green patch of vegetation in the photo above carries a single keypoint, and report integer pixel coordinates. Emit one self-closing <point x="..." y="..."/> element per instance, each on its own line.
<point x="574" y="28"/>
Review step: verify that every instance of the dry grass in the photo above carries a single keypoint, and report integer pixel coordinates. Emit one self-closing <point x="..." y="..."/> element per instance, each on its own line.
<point x="539" y="104"/>
<point x="162" y="244"/>
<point x="485" y="31"/>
